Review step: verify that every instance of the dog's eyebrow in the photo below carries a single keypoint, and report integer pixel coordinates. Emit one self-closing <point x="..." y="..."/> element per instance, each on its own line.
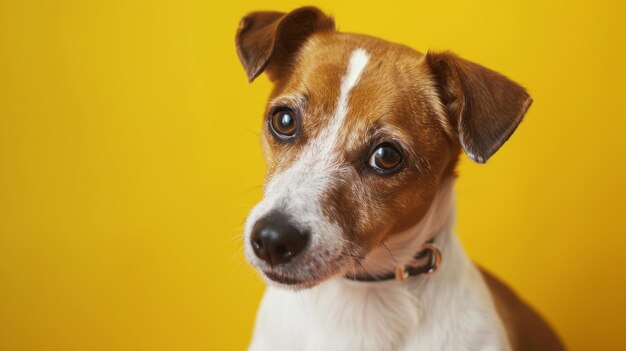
<point x="296" y="100"/>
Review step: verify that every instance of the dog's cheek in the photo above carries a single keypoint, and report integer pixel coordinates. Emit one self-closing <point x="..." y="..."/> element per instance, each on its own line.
<point x="411" y="202"/>
<point x="365" y="229"/>
<point x="394" y="200"/>
<point x="356" y="207"/>
<point x="278" y="156"/>
<point x="340" y="205"/>
<point x="269" y="155"/>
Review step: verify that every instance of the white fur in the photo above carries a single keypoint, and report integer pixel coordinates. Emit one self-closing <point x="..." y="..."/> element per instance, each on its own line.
<point x="358" y="61"/>
<point x="451" y="310"/>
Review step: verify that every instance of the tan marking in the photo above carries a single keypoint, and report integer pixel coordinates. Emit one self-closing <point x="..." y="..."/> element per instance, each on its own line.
<point x="526" y="329"/>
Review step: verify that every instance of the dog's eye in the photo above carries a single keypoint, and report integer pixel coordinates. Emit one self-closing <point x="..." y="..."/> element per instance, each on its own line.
<point x="385" y="158"/>
<point x="283" y="123"/>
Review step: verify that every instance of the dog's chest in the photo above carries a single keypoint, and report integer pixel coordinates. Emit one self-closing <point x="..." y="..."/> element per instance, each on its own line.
<point x="338" y="316"/>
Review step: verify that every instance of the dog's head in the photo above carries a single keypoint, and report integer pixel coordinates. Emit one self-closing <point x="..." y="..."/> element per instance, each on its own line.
<point x="358" y="135"/>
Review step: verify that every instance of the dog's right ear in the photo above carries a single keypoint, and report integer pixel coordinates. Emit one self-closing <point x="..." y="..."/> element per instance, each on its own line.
<point x="267" y="41"/>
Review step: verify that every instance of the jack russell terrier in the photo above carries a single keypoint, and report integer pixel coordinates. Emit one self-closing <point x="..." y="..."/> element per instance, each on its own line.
<point x="354" y="234"/>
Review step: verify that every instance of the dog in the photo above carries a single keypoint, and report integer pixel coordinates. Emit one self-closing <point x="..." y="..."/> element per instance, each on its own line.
<point x="354" y="234"/>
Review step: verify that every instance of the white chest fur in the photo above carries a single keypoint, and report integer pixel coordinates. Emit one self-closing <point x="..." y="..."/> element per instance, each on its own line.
<point x="451" y="310"/>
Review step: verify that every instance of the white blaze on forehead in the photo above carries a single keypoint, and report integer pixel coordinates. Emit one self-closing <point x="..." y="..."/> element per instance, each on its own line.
<point x="358" y="61"/>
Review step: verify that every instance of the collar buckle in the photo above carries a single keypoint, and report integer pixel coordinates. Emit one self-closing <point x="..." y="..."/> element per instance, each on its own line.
<point x="411" y="269"/>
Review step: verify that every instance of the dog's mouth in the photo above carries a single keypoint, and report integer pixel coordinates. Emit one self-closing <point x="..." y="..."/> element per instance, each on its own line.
<point x="306" y="275"/>
<point x="287" y="281"/>
<point x="282" y="279"/>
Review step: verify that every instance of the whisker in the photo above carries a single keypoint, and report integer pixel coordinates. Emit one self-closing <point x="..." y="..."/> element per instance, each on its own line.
<point x="256" y="133"/>
<point x="253" y="188"/>
<point x="390" y="253"/>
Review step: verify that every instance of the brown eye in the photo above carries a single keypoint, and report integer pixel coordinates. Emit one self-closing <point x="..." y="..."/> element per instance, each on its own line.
<point x="386" y="158"/>
<point x="283" y="123"/>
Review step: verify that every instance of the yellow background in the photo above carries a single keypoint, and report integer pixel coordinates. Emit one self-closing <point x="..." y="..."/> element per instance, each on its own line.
<point x="129" y="158"/>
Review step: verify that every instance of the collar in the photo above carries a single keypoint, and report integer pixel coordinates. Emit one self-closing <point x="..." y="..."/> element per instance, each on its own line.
<point x="412" y="269"/>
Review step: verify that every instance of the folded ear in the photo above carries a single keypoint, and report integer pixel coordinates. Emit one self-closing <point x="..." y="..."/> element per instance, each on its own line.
<point x="484" y="106"/>
<point x="269" y="40"/>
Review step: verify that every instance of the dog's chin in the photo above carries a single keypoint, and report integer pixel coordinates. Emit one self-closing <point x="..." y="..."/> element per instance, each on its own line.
<point x="294" y="279"/>
<point x="287" y="281"/>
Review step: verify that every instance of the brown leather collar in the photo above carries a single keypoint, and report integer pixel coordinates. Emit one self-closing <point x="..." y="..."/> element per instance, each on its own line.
<point x="402" y="273"/>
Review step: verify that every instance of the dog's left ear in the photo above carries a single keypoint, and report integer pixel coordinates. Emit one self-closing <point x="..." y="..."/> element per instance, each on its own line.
<point x="268" y="41"/>
<point x="484" y="106"/>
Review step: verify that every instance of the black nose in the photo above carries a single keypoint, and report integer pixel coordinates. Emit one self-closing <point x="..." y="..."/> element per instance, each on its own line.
<point x="275" y="240"/>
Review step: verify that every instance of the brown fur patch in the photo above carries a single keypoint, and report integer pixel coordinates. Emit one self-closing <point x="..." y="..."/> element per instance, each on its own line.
<point x="526" y="329"/>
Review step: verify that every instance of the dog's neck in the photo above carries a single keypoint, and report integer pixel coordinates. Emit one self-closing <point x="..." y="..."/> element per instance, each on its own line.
<point x="401" y="247"/>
